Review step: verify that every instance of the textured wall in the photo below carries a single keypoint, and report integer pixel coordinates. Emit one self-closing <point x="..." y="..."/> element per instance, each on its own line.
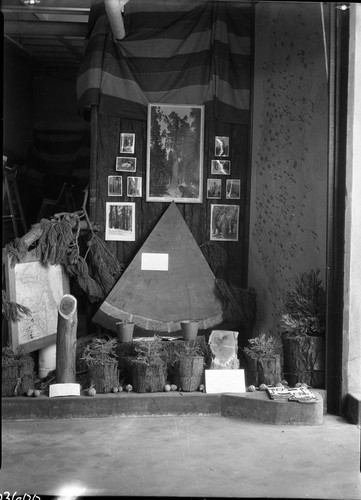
<point x="352" y="310"/>
<point x="289" y="156"/>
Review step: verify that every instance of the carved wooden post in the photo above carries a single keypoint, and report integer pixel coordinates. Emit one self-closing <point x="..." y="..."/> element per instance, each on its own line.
<point x="66" y="340"/>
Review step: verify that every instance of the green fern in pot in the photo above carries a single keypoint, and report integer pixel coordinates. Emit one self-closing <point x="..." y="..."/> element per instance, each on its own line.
<point x="303" y="325"/>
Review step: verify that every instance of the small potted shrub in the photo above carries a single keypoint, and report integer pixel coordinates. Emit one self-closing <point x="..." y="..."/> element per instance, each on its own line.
<point x="148" y="367"/>
<point x="189" y="366"/>
<point x="17" y="372"/>
<point x="263" y="360"/>
<point x="304" y="324"/>
<point x="101" y="359"/>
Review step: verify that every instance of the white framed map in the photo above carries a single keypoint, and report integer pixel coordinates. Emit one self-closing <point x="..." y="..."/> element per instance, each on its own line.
<point x="40" y="288"/>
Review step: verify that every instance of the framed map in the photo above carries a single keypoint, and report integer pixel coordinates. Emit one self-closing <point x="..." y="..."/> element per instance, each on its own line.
<point x="40" y="288"/>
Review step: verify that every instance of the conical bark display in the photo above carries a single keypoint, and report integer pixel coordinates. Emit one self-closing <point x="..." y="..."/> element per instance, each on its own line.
<point x="158" y="300"/>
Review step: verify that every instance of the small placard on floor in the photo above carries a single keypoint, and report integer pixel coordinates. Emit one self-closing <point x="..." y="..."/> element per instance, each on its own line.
<point x="225" y="381"/>
<point x="64" y="390"/>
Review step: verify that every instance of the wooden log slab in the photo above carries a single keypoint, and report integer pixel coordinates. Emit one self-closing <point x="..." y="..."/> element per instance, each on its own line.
<point x="66" y="340"/>
<point x="157" y="299"/>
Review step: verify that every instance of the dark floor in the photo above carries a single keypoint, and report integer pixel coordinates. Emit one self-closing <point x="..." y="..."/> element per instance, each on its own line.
<point x="181" y="456"/>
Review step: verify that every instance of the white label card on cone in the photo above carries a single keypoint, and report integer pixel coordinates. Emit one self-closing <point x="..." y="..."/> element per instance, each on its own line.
<point x="225" y="381"/>
<point x="154" y="262"/>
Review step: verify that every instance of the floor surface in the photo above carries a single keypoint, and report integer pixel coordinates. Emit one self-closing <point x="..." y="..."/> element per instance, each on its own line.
<point x="175" y="456"/>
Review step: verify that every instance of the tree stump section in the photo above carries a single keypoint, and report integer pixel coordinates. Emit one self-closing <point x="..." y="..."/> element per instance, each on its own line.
<point x="104" y="377"/>
<point x="66" y="340"/>
<point x="264" y="371"/>
<point x="190" y="373"/>
<point x="149" y="377"/>
<point x="304" y="360"/>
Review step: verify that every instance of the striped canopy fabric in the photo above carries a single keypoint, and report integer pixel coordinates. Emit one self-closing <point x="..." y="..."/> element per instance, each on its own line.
<point x="174" y="51"/>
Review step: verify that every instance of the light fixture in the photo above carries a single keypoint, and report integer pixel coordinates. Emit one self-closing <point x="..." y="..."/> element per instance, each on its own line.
<point x="30" y="2"/>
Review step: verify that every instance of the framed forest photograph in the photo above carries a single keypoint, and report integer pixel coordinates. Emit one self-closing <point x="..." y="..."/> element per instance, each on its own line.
<point x="120" y="221"/>
<point x="175" y="153"/>
<point x="224" y="222"/>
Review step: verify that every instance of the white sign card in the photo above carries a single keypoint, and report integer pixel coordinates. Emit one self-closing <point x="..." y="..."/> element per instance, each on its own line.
<point x="225" y="381"/>
<point x="154" y="262"/>
<point x="64" y="390"/>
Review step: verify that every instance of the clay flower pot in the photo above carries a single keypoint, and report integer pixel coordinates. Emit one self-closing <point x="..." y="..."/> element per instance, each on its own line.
<point x="189" y="329"/>
<point x="125" y="331"/>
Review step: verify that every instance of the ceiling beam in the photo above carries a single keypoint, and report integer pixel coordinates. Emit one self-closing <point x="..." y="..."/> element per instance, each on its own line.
<point x="44" y="29"/>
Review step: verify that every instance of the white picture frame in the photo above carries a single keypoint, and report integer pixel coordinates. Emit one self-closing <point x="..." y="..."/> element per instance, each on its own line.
<point x="120" y="221"/>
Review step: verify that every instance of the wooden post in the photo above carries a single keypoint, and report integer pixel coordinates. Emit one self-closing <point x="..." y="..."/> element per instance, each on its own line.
<point x="66" y="340"/>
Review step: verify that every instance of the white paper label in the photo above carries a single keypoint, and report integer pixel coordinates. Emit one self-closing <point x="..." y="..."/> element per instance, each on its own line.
<point x="225" y="381"/>
<point x="154" y="261"/>
<point x="64" y="390"/>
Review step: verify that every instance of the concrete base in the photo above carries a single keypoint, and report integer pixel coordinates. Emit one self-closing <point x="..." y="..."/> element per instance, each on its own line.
<point x="257" y="407"/>
<point x="252" y="406"/>
<point x="353" y="408"/>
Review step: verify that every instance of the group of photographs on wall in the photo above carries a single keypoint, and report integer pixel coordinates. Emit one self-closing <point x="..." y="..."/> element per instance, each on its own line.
<point x="120" y="216"/>
<point x="174" y="172"/>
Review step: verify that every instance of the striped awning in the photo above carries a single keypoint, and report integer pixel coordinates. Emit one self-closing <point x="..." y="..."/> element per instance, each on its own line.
<point x="174" y="51"/>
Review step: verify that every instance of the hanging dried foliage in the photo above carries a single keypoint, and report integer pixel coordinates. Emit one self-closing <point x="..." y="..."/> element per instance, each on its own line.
<point x="215" y="255"/>
<point x="56" y="241"/>
<point x="13" y="311"/>
<point x="105" y="268"/>
<point x="239" y="303"/>
<point x="15" y="250"/>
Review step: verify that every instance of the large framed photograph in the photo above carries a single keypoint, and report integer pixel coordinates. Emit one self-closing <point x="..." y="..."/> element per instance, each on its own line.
<point x="175" y="153"/>
<point x="120" y="221"/>
<point x="224" y="222"/>
<point x="40" y="288"/>
<point x="126" y="164"/>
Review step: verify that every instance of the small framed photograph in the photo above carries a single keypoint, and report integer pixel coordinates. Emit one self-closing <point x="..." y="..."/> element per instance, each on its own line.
<point x="115" y="185"/>
<point x="221" y="146"/>
<point x="220" y="167"/>
<point x="120" y="221"/>
<point x="233" y="189"/>
<point x="224" y="222"/>
<point x="126" y="164"/>
<point x="127" y="143"/>
<point x="134" y="187"/>
<point x="214" y="188"/>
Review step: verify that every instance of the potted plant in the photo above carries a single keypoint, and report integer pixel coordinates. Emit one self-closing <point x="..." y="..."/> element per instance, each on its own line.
<point x="148" y="366"/>
<point x="101" y="359"/>
<point x="263" y="360"/>
<point x="189" y="366"/>
<point x="17" y="372"/>
<point x="125" y="331"/>
<point x="304" y="324"/>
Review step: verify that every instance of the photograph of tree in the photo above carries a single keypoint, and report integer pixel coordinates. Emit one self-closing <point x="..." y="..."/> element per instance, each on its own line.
<point x="224" y="222"/>
<point x="120" y="221"/>
<point x="233" y="189"/>
<point x="175" y="153"/>
<point x="115" y="185"/>
<point x="214" y="188"/>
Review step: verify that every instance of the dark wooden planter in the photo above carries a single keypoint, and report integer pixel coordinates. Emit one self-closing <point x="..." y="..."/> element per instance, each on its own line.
<point x="304" y="360"/>
<point x="104" y="377"/>
<point x="264" y="371"/>
<point x="18" y="375"/>
<point x="149" y="377"/>
<point x="189" y="373"/>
